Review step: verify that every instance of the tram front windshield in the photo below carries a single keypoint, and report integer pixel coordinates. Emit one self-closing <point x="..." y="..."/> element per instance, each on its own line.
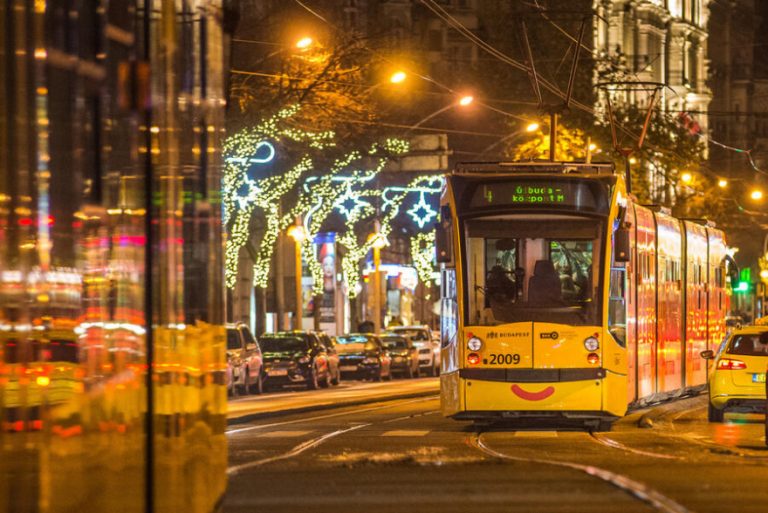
<point x="533" y="268"/>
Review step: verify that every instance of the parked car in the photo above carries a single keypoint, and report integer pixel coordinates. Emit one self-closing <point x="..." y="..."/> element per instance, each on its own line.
<point x="363" y="356"/>
<point x="737" y="378"/>
<point x="244" y="361"/>
<point x="292" y="357"/>
<point x="333" y="357"/>
<point x="429" y="350"/>
<point x="405" y="356"/>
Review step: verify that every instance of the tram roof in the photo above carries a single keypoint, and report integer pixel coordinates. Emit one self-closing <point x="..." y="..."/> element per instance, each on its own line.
<point x="532" y="167"/>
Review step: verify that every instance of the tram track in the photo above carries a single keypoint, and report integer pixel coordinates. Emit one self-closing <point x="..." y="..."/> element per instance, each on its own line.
<point x="319" y="440"/>
<point x="633" y="488"/>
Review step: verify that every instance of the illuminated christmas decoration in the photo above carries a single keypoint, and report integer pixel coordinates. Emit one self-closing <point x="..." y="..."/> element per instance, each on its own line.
<point x="391" y="201"/>
<point x="349" y="204"/>
<point x="422" y="213"/>
<point x="322" y="194"/>
<point x="242" y="193"/>
<point x="423" y="255"/>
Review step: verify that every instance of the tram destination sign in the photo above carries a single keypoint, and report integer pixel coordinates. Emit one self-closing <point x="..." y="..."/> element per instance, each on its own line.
<point x="572" y="195"/>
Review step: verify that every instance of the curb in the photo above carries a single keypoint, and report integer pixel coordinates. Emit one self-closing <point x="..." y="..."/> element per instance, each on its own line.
<point x="657" y="411"/>
<point x="249" y="417"/>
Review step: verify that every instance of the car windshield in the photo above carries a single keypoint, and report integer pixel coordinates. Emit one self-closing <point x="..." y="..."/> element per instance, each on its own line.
<point x="233" y="340"/>
<point x="414" y="334"/>
<point x="395" y="342"/>
<point x="369" y="344"/>
<point x="272" y="344"/>
<point x="533" y="268"/>
<point x="749" y="345"/>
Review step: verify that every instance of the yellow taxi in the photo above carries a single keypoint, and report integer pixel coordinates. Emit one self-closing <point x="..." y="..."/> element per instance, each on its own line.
<point x="737" y="376"/>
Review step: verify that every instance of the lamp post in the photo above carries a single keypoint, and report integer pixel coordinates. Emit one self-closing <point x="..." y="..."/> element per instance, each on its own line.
<point x="378" y="241"/>
<point x="299" y="235"/>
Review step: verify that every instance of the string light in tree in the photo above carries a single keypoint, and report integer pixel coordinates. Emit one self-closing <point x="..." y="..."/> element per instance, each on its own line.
<point x="423" y="255"/>
<point x="320" y="194"/>
<point x="243" y="193"/>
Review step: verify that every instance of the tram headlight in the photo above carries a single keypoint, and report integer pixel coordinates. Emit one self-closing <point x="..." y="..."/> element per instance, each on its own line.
<point x="591" y="344"/>
<point x="474" y="344"/>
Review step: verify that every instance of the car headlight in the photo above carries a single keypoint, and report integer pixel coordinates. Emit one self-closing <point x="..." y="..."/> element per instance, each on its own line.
<point x="591" y="344"/>
<point x="303" y="359"/>
<point x="474" y="344"/>
<point x="370" y="360"/>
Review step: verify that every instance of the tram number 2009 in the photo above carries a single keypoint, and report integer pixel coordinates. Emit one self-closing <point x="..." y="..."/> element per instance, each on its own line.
<point x="505" y="359"/>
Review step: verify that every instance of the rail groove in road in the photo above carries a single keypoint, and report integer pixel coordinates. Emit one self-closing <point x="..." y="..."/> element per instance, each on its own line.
<point x="304" y="446"/>
<point x="634" y="488"/>
<point x="614" y="444"/>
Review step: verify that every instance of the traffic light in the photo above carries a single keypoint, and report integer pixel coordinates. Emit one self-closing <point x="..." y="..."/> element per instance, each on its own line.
<point x="745" y="279"/>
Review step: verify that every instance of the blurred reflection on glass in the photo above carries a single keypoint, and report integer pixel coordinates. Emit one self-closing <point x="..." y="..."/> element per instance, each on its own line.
<point x="75" y="150"/>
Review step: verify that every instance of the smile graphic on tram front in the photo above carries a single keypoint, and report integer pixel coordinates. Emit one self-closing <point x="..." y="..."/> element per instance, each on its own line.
<point x="532" y="396"/>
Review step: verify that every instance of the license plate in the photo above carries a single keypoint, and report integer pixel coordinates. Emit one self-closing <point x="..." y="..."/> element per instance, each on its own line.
<point x="278" y="372"/>
<point x="758" y="378"/>
<point x="348" y="368"/>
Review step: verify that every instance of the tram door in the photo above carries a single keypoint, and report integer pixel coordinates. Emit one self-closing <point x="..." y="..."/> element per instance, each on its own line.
<point x="111" y="259"/>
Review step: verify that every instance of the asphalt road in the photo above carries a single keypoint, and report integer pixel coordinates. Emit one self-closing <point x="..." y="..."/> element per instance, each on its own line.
<point x="402" y="455"/>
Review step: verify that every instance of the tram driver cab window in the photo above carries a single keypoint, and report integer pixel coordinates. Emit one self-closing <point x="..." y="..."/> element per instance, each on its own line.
<point x="533" y="271"/>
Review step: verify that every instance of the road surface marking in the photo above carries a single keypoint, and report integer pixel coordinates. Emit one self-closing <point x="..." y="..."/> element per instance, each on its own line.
<point x="536" y="434"/>
<point x="283" y="434"/>
<point x="398" y="402"/>
<point x="405" y="432"/>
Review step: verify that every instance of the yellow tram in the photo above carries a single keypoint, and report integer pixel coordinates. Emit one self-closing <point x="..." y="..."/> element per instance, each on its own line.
<point x="563" y="299"/>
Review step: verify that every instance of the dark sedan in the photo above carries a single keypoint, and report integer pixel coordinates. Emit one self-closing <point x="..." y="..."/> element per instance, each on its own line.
<point x="405" y="356"/>
<point x="295" y="357"/>
<point x="363" y="356"/>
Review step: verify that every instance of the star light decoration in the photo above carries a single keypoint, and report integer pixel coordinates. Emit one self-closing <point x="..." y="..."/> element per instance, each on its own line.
<point x="422" y="212"/>
<point x="242" y="193"/>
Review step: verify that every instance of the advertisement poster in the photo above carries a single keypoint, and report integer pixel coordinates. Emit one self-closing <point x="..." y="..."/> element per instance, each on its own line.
<point x="326" y="254"/>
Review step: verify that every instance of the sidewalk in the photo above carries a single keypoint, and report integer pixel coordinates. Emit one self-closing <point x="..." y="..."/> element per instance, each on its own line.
<point x="249" y="408"/>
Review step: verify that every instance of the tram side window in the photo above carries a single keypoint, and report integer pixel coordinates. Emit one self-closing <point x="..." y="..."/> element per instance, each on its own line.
<point x="617" y="308"/>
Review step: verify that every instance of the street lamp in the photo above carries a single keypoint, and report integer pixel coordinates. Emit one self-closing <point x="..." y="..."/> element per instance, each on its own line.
<point x="722" y="183"/>
<point x="398" y="77"/>
<point x="304" y="43"/>
<point x="378" y="240"/>
<point x="756" y="194"/>
<point x="532" y="127"/>
<point x="464" y="101"/>
<point x="299" y="234"/>
<point x="686" y="178"/>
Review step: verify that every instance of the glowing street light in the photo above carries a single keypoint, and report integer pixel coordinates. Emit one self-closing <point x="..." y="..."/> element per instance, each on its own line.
<point x="632" y="160"/>
<point x="722" y="183"/>
<point x="304" y="43"/>
<point x="764" y="274"/>
<point x="398" y="77"/>
<point x="466" y="100"/>
<point x="756" y="194"/>
<point x="686" y="178"/>
<point x="592" y="147"/>
<point x="532" y="127"/>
